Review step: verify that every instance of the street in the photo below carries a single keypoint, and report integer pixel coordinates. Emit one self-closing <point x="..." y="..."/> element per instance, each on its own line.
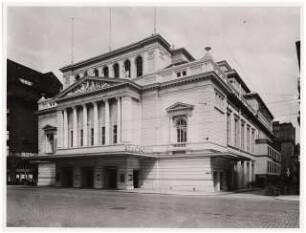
<point x="59" y="207"/>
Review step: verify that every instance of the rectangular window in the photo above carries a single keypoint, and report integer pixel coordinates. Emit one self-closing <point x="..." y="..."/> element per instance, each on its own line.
<point x="253" y="141"/>
<point x="229" y="128"/>
<point x="248" y="138"/>
<point x="50" y="146"/>
<point x="81" y="137"/>
<point x="92" y="136"/>
<point x="178" y="74"/>
<point x="184" y="73"/>
<point x="236" y="132"/>
<point x="103" y="135"/>
<point x="115" y="134"/>
<point x="242" y="135"/>
<point x="71" y="138"/>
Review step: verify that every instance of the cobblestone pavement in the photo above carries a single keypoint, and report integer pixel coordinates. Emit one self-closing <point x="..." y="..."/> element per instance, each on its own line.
<point x="59" y="207"/>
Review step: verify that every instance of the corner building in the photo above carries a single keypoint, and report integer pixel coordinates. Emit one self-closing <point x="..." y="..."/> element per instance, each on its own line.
<point x="151" y="117"/>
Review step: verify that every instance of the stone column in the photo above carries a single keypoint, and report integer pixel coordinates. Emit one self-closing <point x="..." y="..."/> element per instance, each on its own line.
<point x="46" y="174"/>
<point x="65" y="128"/>
<point x="253" y="172"/>
<point x="77" y="176"/>
<point x="233" y="177"/>
<point x="107" y="122"/>
<point x="75" y="127"/>
<point x="217" y="187"/>
<point x="250" y="171"/>
<point x="98" y="177"/>
<point x="145" y="63"/>
<point x="245" y="174"/>
<point x="121" y="69"/>
<point x="111" y="71"/>
<point x="133" y="68"/>
<point x="118" y="120"/>
<point x="96" y="125"/>
<point x="239" y="171"/>
<point x="60" y="129"/>
<point x="126" y="119"/>
<point x="85" y="129"/>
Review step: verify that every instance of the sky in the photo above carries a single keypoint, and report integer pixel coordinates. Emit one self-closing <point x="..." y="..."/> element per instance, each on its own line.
<point x="259" y="42"/>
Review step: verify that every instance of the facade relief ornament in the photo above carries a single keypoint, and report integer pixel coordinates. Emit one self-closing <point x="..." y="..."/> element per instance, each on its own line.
<point x="88" y="86"/>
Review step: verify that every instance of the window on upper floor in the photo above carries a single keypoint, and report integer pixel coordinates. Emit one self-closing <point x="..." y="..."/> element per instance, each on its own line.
<point x="228" y="127"/>
<point x="248" y="138"/>
<point x="127" y="69"/>
<point x="181" y="130"/>
<point x="92" y="136"/>
<point x="86" y="73"/>
<point x="219" y="100"/>
<point x="253" y="141"/>
<point x="77" y="77"/>
<point x="115" y="134"/>
<point x="81" y="137"/>
<point x="139" y="66"/>
<point x="242" y="135"/>
<point x="26" y="82"/>
<point x="50" y="147"/>
<point x="96" y="72"/>
<point x="181" y="73"/>
<point x="71" y="138"/>
<point x="105" y="72"/>
<point x="236" y="132"/>
<point x="116" y="70"/>
<point x="103" y="135"/>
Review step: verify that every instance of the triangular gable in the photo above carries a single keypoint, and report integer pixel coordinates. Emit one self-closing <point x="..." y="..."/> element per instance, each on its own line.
<point x="88" y="84"/>
<point x="178" y="106"/>
<point x="49" y="128"/>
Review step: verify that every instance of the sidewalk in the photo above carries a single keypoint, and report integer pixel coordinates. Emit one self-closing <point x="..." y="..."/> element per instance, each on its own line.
<point x="186" y="193"/>
<point x="288" y="198"/>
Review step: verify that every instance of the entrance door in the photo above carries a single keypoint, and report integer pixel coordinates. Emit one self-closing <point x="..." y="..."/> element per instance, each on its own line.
<point x="66" y="176"/>
<point x="87" y="177"/>
<point x="136" y="178"/>
<point x="110" y="178"/>
<point x="113" y="178"/>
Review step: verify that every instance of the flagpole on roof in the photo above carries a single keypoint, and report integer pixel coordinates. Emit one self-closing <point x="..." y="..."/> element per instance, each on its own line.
<point x="154" y="20"/>
<point x="110" y="29"/>
<point x="72" y="38"/>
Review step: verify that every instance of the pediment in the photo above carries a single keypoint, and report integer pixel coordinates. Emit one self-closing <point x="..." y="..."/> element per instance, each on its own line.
<point x="49" y="128"/>
<point x="88" y="85"/>
<point x="178" y="106"/>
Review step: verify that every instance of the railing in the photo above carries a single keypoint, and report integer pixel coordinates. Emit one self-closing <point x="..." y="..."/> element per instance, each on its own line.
<point x="191" y="68"/>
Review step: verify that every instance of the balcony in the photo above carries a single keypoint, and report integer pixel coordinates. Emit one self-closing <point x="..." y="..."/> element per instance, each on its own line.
<point x="102" y="149"/>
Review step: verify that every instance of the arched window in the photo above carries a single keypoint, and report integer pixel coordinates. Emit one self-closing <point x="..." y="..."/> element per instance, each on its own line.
<point x="116" y="70"/>
<point x="127" y="69"/>
<point x="96" y="72"/>
<point x="139" y="66"/>
<point x="105" y="72"/>
<point x="181" y="130"/>
<point x="85" y="73"/>
<point x="77" y="77"/>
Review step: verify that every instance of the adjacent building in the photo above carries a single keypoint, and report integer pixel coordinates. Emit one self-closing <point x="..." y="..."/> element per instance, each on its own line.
<point x="152" y="117"/>
<point x="25" y="87"/>
<point x="285" y="142"/>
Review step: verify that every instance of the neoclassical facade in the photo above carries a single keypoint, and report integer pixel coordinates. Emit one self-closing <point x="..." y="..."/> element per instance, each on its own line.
<point x="152" y="117"/>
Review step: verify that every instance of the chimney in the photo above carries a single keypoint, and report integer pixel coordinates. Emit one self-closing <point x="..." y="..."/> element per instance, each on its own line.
<point x="208" y="56"/>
